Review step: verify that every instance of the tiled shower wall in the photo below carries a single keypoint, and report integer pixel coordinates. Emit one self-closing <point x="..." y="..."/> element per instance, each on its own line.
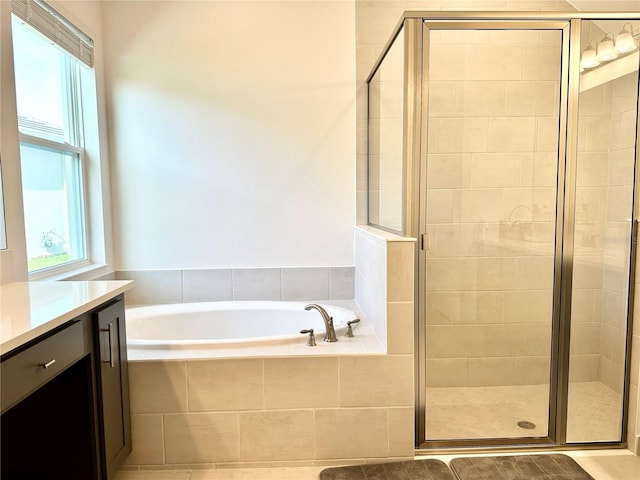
<point x="624" y="98"/>
<point x="603" y="208"/>
<point x="374" y="23"/>
<point x="375" y="20"/>
<point x="386" y="106"/>
<point x="294" y="284"/>
<point x="493" y="116"/>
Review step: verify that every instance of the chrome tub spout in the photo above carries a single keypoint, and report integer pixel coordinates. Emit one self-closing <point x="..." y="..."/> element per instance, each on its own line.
<point x="330" y="335"/>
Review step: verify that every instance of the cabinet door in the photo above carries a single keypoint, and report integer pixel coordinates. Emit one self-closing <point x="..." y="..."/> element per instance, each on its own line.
<point x="113" y="382"/>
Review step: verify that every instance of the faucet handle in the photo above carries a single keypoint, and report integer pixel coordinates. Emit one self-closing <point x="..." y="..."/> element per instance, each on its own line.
<point x="312" y="338"/>
<point x="349" y="329"/>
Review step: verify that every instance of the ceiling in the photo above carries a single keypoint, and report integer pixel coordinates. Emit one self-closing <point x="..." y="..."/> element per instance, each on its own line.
<point x="606" y="5"/>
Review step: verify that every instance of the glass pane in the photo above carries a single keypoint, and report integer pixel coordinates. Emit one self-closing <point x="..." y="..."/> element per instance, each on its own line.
<point x="386" y="91"/>
<point x="52" y="196"/>
<point x="40" y="84"/>
<point x="492" y="161"/>
<point x="608" y="102"/>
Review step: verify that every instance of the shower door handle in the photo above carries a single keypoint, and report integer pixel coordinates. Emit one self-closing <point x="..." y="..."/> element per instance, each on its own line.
<point x="425" y="242"/>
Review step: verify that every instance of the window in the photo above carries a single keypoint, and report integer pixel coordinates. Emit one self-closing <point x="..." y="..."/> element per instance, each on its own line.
<point x="49" y="102"/>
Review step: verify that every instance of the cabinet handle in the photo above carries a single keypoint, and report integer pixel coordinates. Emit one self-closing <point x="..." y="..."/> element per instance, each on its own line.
<point x="110" y="330"/>
<point x="47" y="364"/>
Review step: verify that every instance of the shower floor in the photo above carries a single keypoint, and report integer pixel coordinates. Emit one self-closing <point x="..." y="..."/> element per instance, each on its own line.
<point x="494" y="412"/>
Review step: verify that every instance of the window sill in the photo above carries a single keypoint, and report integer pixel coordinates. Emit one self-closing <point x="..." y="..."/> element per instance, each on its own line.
<point x="84" y="271"/>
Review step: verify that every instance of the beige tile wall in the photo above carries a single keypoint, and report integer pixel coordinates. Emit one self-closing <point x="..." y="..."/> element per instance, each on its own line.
<point x="375" y="20"/>
<point x="290" y="410"/>
<point x="272" y="410"/>
<point x="533" y="102"/>
<point x="467" y="154"/>
<point x="386" y="106"/>
<point x="491" y="225"/>
<point x="384" y="281"/>
<point x="621" y="154"/>
<point x="591" y="193"/>
<point x="603" y="206"/>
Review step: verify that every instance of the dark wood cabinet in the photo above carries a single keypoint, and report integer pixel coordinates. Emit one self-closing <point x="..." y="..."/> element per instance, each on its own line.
<point x="113" y="381"/>
<point x="65" y="400"/>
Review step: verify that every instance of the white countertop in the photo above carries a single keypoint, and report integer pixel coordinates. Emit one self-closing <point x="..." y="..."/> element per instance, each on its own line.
<point x="30" y="309"/>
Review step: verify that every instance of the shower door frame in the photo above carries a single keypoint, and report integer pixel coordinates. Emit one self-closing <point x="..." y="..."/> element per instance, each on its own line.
<point x="507" y="25"/>
<point x="414" y="210"/>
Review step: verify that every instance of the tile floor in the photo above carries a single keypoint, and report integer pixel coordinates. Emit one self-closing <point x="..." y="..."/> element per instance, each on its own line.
<point x="601" y="464"/>
<point x="493" y="412"/>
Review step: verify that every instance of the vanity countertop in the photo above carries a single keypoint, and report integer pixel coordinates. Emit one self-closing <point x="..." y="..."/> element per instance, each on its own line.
<point x="31" y="309"/>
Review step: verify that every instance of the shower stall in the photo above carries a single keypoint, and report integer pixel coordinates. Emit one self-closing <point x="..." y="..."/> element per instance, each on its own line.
<point x="506" y="143"/>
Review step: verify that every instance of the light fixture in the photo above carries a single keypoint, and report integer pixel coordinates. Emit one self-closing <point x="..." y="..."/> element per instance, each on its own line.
<point x="589" y="58"/>
<point x="624" y="40"/>
<point x="606" y="50"/>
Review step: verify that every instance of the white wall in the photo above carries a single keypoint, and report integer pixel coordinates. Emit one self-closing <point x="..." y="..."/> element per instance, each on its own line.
<point x="232" y="129"/>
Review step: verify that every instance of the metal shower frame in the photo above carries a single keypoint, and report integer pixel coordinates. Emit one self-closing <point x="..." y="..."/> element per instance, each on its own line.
<point x="414" y="26"/>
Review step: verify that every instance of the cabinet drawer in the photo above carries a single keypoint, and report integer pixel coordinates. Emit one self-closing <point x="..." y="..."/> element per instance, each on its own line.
<point x="25" y="372"/>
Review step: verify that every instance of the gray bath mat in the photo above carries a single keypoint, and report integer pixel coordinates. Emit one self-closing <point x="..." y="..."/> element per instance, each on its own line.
<point x="409" y="470"/>
<point x="525" y="467"/>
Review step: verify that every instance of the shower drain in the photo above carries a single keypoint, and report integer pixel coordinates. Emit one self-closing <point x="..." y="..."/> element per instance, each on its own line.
<point x="526" y="425"/>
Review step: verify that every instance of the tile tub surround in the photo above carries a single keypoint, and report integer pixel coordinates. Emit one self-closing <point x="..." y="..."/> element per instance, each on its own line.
<point x="293" y="409"/>
<point x="262" y="411"/>
<point x="384" y="281"/>
<point x="207" y="285"/>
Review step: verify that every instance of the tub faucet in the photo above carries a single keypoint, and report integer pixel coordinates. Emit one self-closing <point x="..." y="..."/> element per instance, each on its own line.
<point x="330" y="335"/>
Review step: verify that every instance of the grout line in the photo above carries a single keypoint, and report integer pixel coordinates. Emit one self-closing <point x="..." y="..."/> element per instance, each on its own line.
<point x="264" y="385"/>
<point x="181" y="286"/>
<point x="163" y="440"/>
<point x="186" y="386"/>
<point x="315" y="435"/>
<point x="238" y="445"/>
<point x="233" y="285"/>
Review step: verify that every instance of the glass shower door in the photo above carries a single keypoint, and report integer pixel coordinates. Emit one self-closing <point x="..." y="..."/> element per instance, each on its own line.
<point x="604" y="191"/>
<point x="491" y="200"/>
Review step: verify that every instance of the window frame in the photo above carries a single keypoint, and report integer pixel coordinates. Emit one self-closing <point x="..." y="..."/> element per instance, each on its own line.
<point x="64" y="148"/>
<point x="73" y="114"/>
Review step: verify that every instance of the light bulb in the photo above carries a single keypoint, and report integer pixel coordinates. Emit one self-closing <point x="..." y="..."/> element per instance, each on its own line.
<point x="606" y="51"/>
<point x="589" y="58"/>
<point x="624" y="40"/>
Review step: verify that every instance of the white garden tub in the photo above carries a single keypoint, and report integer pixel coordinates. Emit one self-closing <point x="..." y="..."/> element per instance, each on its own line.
<point x="227" y="324"/>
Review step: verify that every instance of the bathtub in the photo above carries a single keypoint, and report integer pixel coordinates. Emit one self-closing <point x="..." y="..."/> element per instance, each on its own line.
<point x="211" y="325"/>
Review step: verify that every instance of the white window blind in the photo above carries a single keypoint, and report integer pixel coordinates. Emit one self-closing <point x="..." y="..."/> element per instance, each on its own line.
<point x="56" y="27"/>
